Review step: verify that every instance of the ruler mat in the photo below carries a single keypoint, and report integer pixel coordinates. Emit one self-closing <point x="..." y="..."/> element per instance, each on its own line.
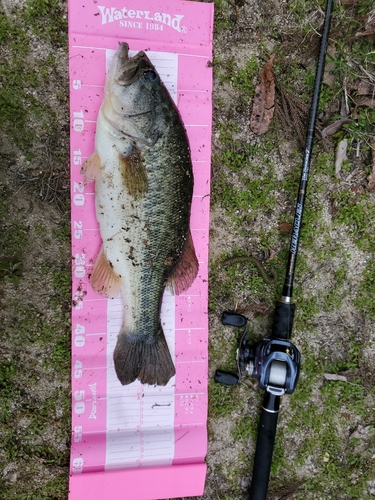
<point x="138" y="441"/>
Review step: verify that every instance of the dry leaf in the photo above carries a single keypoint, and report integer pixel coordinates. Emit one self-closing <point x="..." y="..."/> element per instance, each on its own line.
<point x="334" y="127"/>
<point x="365" y="101"/>
<point x="365" y="88"/>
<point x="340" y="155"/>
<point x="335" y="207"/>
<point x="285" y="227"/>
<point x="333" y="376"/>
<point x="371" y="182"/>
<point x="369" y="25"/>
<point x="371" y="177"/>
<point x="272" y="255"/>
<point x="264" y="100"/>
<point x="259" y="309"/>
<point x="370" y="21"/>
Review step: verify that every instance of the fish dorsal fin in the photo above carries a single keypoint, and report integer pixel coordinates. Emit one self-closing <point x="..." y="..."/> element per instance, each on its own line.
<point x="134" y="172"/>
<point x="186" y="269"/>
<point x="91" y="168"/>
<point x="104" y="280"/>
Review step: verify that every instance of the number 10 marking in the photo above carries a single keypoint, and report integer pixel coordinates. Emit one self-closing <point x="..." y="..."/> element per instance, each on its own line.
<point x="78" y="123"/>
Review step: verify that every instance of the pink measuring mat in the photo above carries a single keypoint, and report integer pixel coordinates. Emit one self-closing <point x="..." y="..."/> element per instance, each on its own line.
<point x="138" y="442"/>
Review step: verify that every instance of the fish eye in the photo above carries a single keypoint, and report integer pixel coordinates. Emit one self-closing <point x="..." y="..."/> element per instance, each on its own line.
<point x="150" y="75"/>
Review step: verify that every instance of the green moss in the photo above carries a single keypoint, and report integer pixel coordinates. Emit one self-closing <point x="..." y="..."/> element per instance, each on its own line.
<point x="358" y="213"/>
<point x="230" y="284"/>
<point x="48" y="20"/>
<point x="222" y="16"/>
<point x="365" y="300"/>
<point x="33" y="430"/>
<point x="319" y="423"/>
<point x="57" y="488"/>
<point x="8" y="373"/>
<point x="240" y="78"/>
<point x="247" y="426"/>
<point x="62" y="284"/>
<point x="22" y="80"/>
<point x="324" y="163"/>
<point x="223" y="400"/>
<point x="14" y="242"/>
<point x="311" y="370"/>
<point x="251" y="190"/>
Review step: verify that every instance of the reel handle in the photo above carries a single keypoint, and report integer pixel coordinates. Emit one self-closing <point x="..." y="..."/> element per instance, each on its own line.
<point x="233" y="319"/>
<point x="226" y="378"/>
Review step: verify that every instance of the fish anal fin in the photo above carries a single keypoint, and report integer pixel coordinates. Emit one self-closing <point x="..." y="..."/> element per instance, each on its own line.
<point x="186" y="269"/>
<point x="104" y="280"/>
<point x="136" y="357"/>
<point x="91" y="168"/>
<point x="134" y="172"/>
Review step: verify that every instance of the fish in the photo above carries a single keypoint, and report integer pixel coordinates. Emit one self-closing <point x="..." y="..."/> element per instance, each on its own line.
<point x="144" y="184"/>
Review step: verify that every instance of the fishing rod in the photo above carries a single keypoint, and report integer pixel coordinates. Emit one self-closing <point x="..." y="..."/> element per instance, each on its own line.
<point x="275" y="361"/>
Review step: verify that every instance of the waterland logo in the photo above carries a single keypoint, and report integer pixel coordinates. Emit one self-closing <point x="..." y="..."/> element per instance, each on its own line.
<point x="130" y="18"/>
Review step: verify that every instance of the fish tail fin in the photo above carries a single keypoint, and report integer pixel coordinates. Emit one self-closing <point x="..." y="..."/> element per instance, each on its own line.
<point x="137" y="358"/>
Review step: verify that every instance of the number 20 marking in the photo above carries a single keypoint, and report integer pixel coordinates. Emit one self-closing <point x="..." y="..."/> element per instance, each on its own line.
<point x="79" y="197"/>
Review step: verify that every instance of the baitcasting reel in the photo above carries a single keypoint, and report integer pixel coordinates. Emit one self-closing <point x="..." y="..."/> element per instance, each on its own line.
<point x="275" y="363"/>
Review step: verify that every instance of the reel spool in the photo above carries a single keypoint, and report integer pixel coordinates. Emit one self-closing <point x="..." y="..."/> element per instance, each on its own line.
<point x="275" y="363"/>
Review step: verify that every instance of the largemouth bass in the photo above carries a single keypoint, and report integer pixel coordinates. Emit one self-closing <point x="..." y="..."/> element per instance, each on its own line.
<point x="143" y="191"/>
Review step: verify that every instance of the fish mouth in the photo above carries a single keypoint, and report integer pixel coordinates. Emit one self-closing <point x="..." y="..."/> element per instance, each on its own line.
<point x="129" y="68"/>
<point x="122" y="53"/>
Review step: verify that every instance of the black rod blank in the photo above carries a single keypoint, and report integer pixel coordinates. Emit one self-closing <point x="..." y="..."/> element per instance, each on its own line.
<point x="288" y="284"/>
<point x="263" y="454"/>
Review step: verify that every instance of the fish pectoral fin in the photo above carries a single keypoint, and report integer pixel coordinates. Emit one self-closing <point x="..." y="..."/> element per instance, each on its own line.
<point x="104" y="280"/>
<point x="134" y="172"/>
<point x="142" y="358"/>
<point x="186" y="269"/>
<point x="91" y="168"/>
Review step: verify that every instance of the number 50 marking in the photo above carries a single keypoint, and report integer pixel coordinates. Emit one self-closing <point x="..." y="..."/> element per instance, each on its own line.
<point x="79" y="406"/>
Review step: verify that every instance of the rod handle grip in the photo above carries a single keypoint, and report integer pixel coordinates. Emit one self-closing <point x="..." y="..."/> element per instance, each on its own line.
<point x="263" y="454"/>
<point x="283" y="321"/>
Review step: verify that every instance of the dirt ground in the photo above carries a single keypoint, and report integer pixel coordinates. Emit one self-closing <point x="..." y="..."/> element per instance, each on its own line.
<point x="325" y="441"/>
